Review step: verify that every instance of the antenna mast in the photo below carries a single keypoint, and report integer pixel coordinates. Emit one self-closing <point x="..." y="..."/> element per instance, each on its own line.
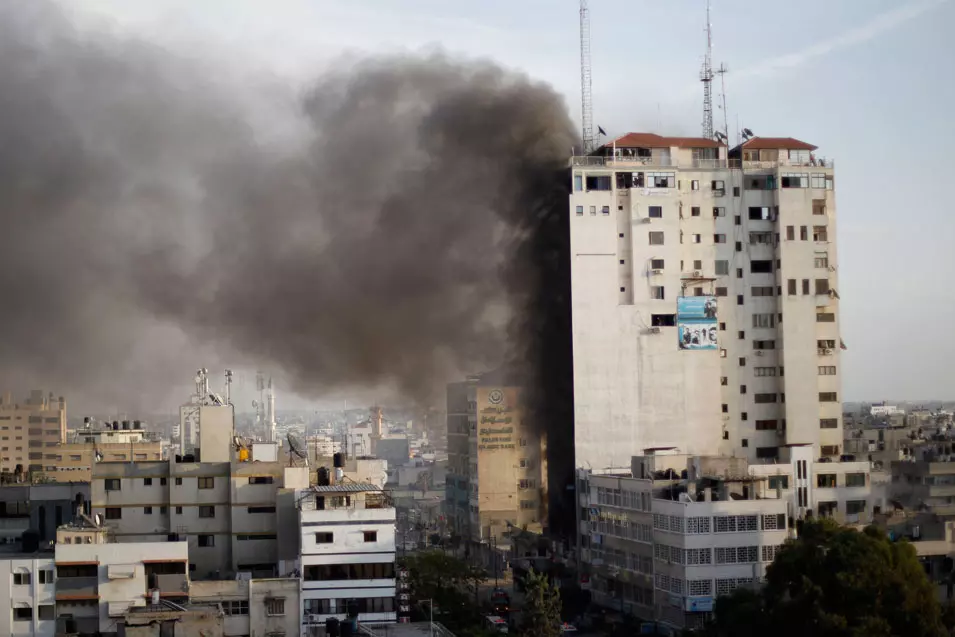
<point x="706" y="76"/>
<point x="586" y="95"/>
<point x="722" y="71"/>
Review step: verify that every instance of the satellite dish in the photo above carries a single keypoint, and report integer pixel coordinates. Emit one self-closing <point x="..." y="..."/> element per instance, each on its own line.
<point x="295" y="445"/>
<point x="747" y="133"/>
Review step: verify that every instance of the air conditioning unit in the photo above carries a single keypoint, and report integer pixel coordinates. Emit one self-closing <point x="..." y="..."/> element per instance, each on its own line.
<point x="697" y="273"/>
<point x="656" y="271"/>
<point x="645" y="220"/>
<point x="758" y="352"/>
<point x="827" y="351"/>
<point x="653" y="330"/>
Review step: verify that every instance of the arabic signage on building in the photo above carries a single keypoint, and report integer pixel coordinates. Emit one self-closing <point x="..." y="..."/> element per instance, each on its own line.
<point x="696" y="322"/>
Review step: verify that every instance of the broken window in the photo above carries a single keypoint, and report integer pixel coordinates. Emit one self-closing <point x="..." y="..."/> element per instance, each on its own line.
<point x="662" y="320"/>
<point x="795" y="180"/>
<point x="761" y="266"/>
<point x="598" y="182"/>
<point x="757" y="213"/>
<point x="661" y="180"/>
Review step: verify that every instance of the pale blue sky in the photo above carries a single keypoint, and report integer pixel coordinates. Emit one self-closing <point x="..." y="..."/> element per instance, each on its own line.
<point x="871" y="82"/>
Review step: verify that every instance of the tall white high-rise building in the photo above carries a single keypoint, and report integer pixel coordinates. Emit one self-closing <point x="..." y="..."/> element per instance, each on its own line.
<point x="704" y="297"/>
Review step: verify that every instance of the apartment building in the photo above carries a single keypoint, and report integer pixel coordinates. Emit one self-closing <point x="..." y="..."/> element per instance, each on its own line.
<point x="97" y="582"/>
<point x="268" y="606"/>
<point x="497" y="463"/>
<point x="124" y="441"/>
<point x="225" y="511"/>
<point x="665" y="538"/>
<point x="347" y="548"/>
<point x="40" y="508"/>
<point x="27" y="583"/>
<point x="29" y="429"/>
<point x="704" y="297"/>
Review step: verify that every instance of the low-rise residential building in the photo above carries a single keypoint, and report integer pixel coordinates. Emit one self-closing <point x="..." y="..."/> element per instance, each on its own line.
<point x="347" y="548"/>
<point x="225" y="511"/>
<point x="40" y="508"/>
<point x="27" y="583"/>
<point x="98" y="581"/>
<point x="267" y="606"/>
<point x="665" y="538"/>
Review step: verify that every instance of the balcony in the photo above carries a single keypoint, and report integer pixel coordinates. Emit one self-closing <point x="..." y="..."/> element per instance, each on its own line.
<point x="77" y="588"/>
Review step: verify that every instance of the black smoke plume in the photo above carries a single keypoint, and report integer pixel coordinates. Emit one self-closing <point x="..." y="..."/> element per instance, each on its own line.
<point x="381" y="229"/>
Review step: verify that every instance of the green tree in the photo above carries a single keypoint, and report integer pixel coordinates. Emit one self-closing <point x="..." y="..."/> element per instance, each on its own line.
<point x="541" y="611"/>
<point x="448" y="582"/>
<point x="834" y="581"/>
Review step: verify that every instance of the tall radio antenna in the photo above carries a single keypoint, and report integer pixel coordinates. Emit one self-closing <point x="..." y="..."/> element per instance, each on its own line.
<point x="706" y="76"/>
<point x="586" y="95"/>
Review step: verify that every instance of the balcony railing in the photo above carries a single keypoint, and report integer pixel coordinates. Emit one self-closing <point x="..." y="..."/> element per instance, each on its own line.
<point x="77" y="587"/>
<point x="598" y="161"/>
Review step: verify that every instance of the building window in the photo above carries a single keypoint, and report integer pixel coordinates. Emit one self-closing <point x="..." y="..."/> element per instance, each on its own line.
<point x="821" y="260"/>
<point x="46" y="612"/>
<point x="593" y="211"/>
<point x="275" y="606"/>
<point x="779" y="482"/>
<point x="791" y="287"/>
<point x="721" y="291"/>
<point x="114" y="513"/>
<point x="819" y="233"/>
<point x="742" y="390"/>
<point x="207" y="483"/>
<point x="580" y="211"/>
<point x="656" y="238"/>
<point x="45" y="576"/>
<point x="605" y="210"/>
<point x="719" y="238"/>
<point x="697" y="238"/>
<point x="760" y="213"/>
<point x="147" y="482"/>
<point x="370" y="536"/>
<point x="764" y="320"/>
<point x="147" y="510"/>
<point x="827" y="370"/>
<point x="855" y="479"/>
<point x="828" y="423"/>
<point x="719" y="211"/>
<point x="206" y="541"/>
<point x="578" y="183"/>
<point x="828" y="397"/>
<point x="207" y="511"/>
<point x="722" y="267"/>
<point x="695" y="184"/>
<point x="770" y="344"/>
<point x="178" y="510"/>
<point x="826" y="480"/>
<point x="178" y="482"/>
<point x="739" y="299"/>
<point x="656" y="292"/>
<point x="855" y="507"/>
<point x="235" y="608"/>
<point x="261" y="509"/>
<point x="764" y="398"/>
<point x="829" y="450"/>
<point x="112" y="484"/>
<point x="162" y="482"/>
<point x="260" y="480"/>
<point x="655" y="212"/>
<point x="22" y="614"/>
<point x="528" y="505"/>
<point x="324" y="537"/>
<point x="726" y="408"/>
<point x="795" y="180"/>
<point x="742" y="361"/>
<point x="21" y="579"/>
<point x="695" y="211"/>
<point x="719" y="187"/>
<point x="764" y="371"/>
<point x="766" y="425"/>
<point x="598" y="182"/>
<point x="825" y="317"/>
<point x="767" y="452"/>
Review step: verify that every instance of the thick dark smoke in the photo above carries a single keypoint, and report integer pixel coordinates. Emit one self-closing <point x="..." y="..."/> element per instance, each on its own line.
<point x="383" y="230"/>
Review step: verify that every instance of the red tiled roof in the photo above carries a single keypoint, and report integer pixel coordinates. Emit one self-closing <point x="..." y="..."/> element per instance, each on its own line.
<point x="650" y="140"/>
<point x="776" y="143"/>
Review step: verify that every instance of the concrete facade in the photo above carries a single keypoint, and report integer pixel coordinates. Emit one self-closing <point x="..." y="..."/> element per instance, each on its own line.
<point x="225" y="511"/>
<point x="495" y="461"/>
<point x="347" y="554"/>
<point x="40" y="507"/>
<point x="27" y="582"/>
<point x="29" y="429"/>
<point x="664" y="539"/>
<point x="253" y="607"/>
<point x="654" y="219"/>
